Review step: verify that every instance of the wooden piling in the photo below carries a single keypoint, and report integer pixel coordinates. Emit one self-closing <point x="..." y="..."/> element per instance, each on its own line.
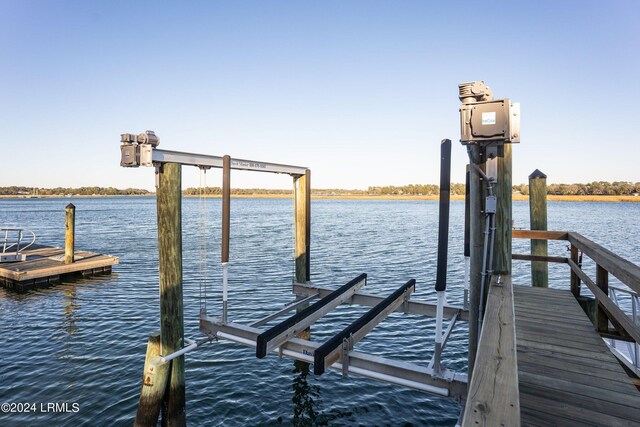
<point x="302" y="220"/>
<point x="302" y="190"/>
<point x="70" y="233"/>
<point x="538" y="221"/>
<point x="504" y="225"/>
<point x="169" y="208"/>
<point x="476" y="241"/>
<point x="154" y="384"/>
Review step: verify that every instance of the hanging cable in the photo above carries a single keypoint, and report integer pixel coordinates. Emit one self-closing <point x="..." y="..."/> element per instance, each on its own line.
<point x="204" y="234"/>
<point x="202" y="189"/>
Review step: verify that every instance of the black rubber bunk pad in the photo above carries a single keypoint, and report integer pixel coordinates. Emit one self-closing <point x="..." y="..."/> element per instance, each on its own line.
<point x="336" y="341"/>
<point x="264" y="338"/>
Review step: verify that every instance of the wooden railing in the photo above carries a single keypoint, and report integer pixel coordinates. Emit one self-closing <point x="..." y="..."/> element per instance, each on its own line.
<point x="607" y="263"/>
<point x="494" y="397"/>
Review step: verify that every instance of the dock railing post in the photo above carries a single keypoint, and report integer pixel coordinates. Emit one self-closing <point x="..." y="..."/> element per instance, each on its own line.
<point x="70" y="233"/>
<point x="538" y="221"/>
<point x="169" y="207"/>
<point x="575" y="280"/>
<point x="602" y="281"/>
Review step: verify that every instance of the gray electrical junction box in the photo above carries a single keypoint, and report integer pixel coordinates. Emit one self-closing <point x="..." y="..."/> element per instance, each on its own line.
<point x="129" y="155"/>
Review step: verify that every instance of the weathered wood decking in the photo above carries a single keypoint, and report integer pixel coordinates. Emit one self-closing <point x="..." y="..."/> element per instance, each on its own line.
<point x="566" y="373"/>
<point x="45" y="264"/>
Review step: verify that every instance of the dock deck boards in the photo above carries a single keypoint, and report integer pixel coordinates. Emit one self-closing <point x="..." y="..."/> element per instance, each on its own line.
<point x="45" y="264"/>
<point x="567" y="375"/>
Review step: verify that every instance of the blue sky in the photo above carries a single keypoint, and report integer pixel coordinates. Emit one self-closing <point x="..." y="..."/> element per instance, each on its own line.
<point x="361" y="92"/>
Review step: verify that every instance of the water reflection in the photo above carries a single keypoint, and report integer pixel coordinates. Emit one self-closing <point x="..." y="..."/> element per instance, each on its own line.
<point x="306" y="397"/>
<point x="69" y="322"/>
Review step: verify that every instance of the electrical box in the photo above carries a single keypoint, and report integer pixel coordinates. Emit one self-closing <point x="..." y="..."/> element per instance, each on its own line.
<point x="129" y="156"/>
<point x="490" y="121"/>
<point x="145" y="154"/>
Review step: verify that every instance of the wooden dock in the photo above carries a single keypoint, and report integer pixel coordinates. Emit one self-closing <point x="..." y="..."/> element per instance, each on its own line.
<point x="541" y="361"/>
<point x="45" y="265"/>
<point x="566" y="373"/>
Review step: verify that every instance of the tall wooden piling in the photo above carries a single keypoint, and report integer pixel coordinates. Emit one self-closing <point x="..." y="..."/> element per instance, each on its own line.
<point x="503" y="219"/>
<point x="476" y="234"/>
<point x="302" y="196"/>
<point x="70" y="233"/>
<point x="169" y="208"/>
<point x="302" y="224"/>
<point x="538" y="220"/>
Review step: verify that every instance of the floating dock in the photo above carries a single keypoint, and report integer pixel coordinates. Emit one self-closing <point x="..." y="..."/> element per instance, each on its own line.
<point x="45" y="265"/>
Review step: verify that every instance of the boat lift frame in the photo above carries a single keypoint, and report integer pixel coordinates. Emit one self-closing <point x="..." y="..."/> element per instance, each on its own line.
<point x="336" y="353"/>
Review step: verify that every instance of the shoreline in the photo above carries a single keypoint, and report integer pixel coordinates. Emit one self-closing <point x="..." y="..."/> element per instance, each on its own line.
<point x="516" y="197"/>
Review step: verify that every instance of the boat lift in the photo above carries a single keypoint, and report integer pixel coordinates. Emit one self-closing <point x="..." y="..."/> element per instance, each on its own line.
<point x="314" y="302"/>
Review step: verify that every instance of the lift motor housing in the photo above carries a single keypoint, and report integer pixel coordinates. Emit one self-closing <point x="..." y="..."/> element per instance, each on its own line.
<point x="486" y="121"/>
<point x="137" y="150"/>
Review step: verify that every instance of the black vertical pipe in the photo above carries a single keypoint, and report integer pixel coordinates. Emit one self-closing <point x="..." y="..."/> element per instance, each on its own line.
<point x="443" y="225"/>
<point x="467" y="222"/>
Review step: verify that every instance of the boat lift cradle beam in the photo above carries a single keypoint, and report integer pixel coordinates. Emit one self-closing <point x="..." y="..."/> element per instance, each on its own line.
<point x="287" y="308"/>
<point x="451" y="384"/>
<point x="288" y="328"/>
<point x="369" y="300"/>
<point x="339" y="346"/>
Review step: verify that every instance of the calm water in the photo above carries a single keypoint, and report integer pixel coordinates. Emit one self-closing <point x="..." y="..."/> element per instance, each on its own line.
<point x="84" y="341"/>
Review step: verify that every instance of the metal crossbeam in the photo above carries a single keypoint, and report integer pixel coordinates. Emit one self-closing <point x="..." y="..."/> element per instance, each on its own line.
<point x="449" y="384"/>
<point x="297" y="323"/>
<point x="282" y="311"/>
<point x="369" y="300"/>
<point x="193" y="159"/>
<point x="332" y="350"/>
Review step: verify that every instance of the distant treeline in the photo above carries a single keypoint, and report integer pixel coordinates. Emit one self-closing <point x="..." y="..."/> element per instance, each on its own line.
<point x="81" y="191"/>
<point x="598" y="188"/>
<point x="411" y="190"/>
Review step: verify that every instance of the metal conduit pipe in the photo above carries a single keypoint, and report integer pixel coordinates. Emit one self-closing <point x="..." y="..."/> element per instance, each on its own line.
<point x="487" y="252"/>
<point x="191" y="345"/>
